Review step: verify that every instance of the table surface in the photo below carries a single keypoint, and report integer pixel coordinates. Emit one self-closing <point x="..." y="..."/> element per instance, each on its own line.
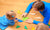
<point x="22" y="24"/>
<point x="15" y="5"/>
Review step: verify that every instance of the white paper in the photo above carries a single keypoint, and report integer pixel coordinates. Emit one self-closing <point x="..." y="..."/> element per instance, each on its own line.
<point x="32" y="13"/>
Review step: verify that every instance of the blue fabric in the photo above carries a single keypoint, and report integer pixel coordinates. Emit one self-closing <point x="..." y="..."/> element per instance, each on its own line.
<point x="11" y="22"/>
<point x="29" y="7"/>
<point x="19" y="20"/>
<point x="36" y="22"/>
<point x="49" y="26"/>
<point x="4" y="22"/>
<point x="45" y="13"/>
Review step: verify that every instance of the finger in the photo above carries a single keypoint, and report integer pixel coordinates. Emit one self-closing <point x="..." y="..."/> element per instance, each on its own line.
<point x="27" y="20"/>
<point x="22" y="15"/>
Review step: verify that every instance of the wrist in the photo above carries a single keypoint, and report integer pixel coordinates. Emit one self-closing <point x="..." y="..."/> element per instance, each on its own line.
<point x="34" y="21"/>
<point x="26" y="12"/>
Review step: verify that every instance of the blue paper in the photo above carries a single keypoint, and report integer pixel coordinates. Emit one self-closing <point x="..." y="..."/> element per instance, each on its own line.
<point x="20" y="20"/>
<point x="36" y="22"/>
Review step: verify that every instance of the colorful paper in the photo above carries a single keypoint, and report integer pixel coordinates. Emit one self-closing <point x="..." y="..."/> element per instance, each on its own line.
<point x="17" y="26"/>
<point x="20" y="20"/>
<point x="19" y="12"/>
<point x="33" y="28"/>
<point x="25" y="27"/>
<point x="25" y="18"/>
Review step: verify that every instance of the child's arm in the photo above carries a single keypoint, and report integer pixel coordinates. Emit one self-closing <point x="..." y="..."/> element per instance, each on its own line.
<point x="32" y="21"/>
<point x="12" y="23"/>
<point x="29" y="7"/>
<point x="36" y="22"/>
<point x="27" y="10"/>
<point x="45" y="21"/>
<point x="15" y="20"/>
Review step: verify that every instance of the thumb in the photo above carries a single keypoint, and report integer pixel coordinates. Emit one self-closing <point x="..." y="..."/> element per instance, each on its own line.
<point x="22" y="15"/>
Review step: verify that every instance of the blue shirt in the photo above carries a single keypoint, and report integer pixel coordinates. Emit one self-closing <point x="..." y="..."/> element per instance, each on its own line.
<point x="4" y="22"/>
<point x="45" y="13"/>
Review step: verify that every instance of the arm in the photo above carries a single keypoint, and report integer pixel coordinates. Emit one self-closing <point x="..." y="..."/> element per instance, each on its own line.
<point x="36" y="22"/>
<point x="29" y="7"/>
<point x="46" y="19"/>
<point x="12" y="23"/>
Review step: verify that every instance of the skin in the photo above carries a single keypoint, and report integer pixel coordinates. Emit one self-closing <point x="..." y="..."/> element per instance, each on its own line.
<point x="30" y="20"/>
<point x="24" y="14"/>
<point x="40" y="26"/>
<point x="10" y="13"/>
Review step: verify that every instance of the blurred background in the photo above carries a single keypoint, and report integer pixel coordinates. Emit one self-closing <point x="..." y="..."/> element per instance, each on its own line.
<point x="7" y="5"/>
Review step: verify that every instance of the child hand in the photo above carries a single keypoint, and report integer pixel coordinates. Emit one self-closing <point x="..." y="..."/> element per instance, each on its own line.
<point x="24" y="14"/>
<point x="15" y="20"/>
<point x="29" y="20"/>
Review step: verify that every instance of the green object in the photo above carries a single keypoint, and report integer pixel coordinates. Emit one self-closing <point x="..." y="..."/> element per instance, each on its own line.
<point x="25" y="18"/>
<point x="25" y="27"/>
<point x="48" y="25"/>
<point x="17" y="26"/>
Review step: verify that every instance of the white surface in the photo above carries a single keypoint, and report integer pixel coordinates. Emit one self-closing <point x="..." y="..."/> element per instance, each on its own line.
<point x="37" y="18"/>
<point x="32" y="13"/>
